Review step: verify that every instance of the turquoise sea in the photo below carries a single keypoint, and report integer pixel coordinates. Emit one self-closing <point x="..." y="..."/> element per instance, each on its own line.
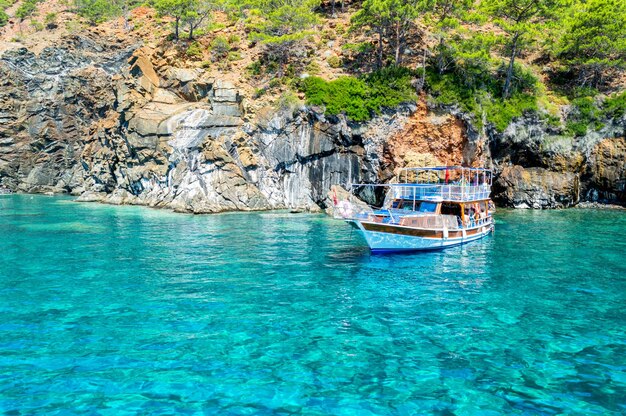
<point x="127" y="310"/>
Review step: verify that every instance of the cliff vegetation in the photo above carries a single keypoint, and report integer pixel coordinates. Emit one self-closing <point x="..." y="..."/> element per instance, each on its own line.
<point x="495" y="60"/>
<point x="206" y="105"/>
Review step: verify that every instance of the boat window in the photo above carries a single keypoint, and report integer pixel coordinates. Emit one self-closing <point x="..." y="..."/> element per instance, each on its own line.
<point x="483" y="209"/>
<point x="451" y="209"/>
<point x="428" y="207"/>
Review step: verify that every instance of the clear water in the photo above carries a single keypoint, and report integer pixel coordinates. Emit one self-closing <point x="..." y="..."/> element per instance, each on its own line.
<point x="125" y="310"/>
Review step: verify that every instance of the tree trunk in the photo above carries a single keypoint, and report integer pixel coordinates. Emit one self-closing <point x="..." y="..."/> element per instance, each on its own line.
<point x="597" y="76"/>
<point x="398" y="54"/>
<point x="176" y="24"/>
<point x="190" y="31"/>
<point x="509" y="72"/>
<point x="379" y="58"/>
<point x="440" y="58"/>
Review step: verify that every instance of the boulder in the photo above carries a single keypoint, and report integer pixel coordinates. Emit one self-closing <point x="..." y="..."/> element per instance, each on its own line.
<point x="605" y="177"/>
<point x="536" y="188"/>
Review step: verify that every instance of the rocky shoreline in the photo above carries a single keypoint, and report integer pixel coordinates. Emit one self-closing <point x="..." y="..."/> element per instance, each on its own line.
<point x="120" y="123"/>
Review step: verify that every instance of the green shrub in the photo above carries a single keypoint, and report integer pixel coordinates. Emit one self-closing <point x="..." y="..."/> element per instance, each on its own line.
<point x="347" y="95"/>
<point x="97" y="11"/>
<point x="4" y="18"/>
<point x="313" y="68"/>
<point x="448" y="89"/>
<point x="194" y="50"/>
<point x="584" y="114"/>
<point x="259" y="92"/>
<point x="255" y="68"/>
<point x="272" y="67"/>
<point x="615" y="105"/>
<point x="288" y="100"/>
<point x="275" y="83"/>
<point x="206" y="64"/>
<point x="73" y="26"/>
<point x="334" y="61"/>
<point x="585" y="106"/>
<point x="36" y="25"/>
<point x="581" y="92"/>
<point x="213" y="26"/>
<point x="220" y="47"/>
<point x="26" y="9"/>
<point x="360" y="98"/>
<point x="328" y="35"/>
<point x="234" y="39"/>
<point x="577" y="128"/>
<point x="234" y="56"/>
<point x="356" y="48"/>
<point x="477" y="91"/>
<point x="501" y="112"/>
<point x="51" y="21"/>
<point x="198" y="33"/>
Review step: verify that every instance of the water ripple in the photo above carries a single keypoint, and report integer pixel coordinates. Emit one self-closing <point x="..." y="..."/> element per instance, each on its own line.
<point x="125" y="310"/>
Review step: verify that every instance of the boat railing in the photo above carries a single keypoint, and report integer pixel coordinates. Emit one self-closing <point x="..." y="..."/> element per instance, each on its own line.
<point x="439" y="174"/>
<point x="456" y="192"/>
<point x="441" y="192"/>
<point x="472" y="222"/>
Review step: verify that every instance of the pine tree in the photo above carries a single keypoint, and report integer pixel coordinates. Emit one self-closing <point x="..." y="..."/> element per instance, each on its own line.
<point x="285" y="23"/>
<point x="390" y="20"/>
<point x="97" y="11"/>
<point x="520" y="19"/>
<point x="595" y="39"/>
<point x="184" y="12"/>
<point x="444" y="16"/>
<point x="197" y="15"/>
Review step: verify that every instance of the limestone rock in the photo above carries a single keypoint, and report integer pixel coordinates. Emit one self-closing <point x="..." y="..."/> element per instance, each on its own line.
<point x="606" y="172"/>
<point x="536" y="188"/>
<point x="127" y="124"/>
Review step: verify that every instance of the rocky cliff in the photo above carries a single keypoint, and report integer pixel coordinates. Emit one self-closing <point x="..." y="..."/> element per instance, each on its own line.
<point x="125" y="125"/>
<point x="538" y="166"/>
<point x="112" y="121"/>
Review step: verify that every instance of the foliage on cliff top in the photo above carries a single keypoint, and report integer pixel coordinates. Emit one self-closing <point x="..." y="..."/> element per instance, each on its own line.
<point x="482" y="56"/>
<point x="361" y="98"/>
<point x="4" y="18"/>
<point x="475" y="90"/>
<point x="589" y="112"/>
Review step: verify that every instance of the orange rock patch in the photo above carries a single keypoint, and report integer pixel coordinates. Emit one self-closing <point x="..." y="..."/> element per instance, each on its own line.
<point x="444" y="137"/>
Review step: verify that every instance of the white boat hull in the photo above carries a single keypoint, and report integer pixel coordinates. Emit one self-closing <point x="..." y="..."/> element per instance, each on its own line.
<point x="393" y="239"/>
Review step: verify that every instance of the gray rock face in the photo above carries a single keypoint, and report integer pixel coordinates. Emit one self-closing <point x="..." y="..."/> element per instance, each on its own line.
<point x="539" y="167"/>
<point x="48" y="104"/>
<point x="124" y="131"/>
<point x="123" y="125"/>
<point x="536" y="188"/>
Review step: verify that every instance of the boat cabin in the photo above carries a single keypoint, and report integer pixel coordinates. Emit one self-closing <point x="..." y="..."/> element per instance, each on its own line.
<point x="468" y="213"/>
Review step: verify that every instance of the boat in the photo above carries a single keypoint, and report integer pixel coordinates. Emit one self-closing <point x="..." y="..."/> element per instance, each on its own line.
<point x="429" y="208"/>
